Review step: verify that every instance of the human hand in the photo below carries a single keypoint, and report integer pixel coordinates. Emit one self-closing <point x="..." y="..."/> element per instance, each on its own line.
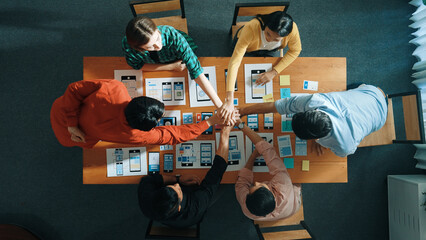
<point x="227" y="113"/>
<point x="266" y="77"/>
<point x="178" y="66"/>
<point x="76" y="134"/>
<point x="316" y="147"/>
<point x="189" y="179"/>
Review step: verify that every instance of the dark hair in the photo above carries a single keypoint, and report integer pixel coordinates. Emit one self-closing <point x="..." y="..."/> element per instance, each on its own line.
<point x="261" y="202"/>
<point x="311" y="124"/>
<point x="165" y="203"/>
<point x="143" y="113"/>
<point x="279" y="22"/>
<point x="139" y="30"/>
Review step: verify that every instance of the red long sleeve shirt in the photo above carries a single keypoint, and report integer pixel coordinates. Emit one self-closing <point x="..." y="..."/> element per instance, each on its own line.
<point x="97" y="108"/>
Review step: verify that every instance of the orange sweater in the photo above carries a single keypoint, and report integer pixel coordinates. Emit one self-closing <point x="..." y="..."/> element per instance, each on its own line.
<point x="97" y="108"/>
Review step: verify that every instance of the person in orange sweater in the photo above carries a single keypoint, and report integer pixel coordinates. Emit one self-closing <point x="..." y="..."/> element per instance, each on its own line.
<point x="261" y="37"/>
<point x="94" y="110"/>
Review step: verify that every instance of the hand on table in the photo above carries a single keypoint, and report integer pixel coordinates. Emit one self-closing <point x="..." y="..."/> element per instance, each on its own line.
<point x="178" y="66"/>
<point x="266" y="77"/>
<point x="316" y="147"/>
<point x="189" y="179"/>
<point x="76" y="134"/>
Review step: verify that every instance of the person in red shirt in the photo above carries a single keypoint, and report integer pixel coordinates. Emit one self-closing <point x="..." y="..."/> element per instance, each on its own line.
<point x="94" y="110"/>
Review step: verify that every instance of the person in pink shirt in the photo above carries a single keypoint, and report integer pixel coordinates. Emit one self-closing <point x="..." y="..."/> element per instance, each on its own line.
<point x="270" y="200"/>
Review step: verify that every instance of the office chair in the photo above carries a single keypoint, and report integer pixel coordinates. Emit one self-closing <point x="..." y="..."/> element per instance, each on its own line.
<point x="413" y="122"/>
<point x="165" y="232"/>
<point x="155" y="6"/>
<point x="293" y="227"/>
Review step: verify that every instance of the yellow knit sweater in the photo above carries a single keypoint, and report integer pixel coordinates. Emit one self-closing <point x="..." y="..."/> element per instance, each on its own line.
<point x="249" y="41"/>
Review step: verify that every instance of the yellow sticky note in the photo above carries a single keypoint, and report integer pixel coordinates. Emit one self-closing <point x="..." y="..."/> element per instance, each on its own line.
<point x="305" y="165"/>
<point x="268" y="98"/>
<point x="284" y="80"/>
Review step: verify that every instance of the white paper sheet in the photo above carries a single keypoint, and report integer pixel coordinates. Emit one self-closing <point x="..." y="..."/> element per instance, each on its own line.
<point x="195" y="154"/>
<point x="259" y="165"/>
<point x="170" y="91"/>
<point x="132" y="79"/>
<point x="119" y="163"/>
<point x="236" y="156"/>
<point x="255" y="93"/>
<point x="197" y="97"/>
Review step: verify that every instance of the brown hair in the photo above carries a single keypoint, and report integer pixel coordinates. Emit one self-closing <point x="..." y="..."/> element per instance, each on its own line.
<point x="139" y="30"/>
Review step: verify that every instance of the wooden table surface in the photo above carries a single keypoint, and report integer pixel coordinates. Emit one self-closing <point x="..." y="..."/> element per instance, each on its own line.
<point x="329" y="72"/>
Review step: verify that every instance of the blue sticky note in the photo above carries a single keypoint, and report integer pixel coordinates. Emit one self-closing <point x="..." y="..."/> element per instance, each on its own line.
<point x="289" y="162"/>
<point x="236" y="101"/>
<point x="285" y="92"/>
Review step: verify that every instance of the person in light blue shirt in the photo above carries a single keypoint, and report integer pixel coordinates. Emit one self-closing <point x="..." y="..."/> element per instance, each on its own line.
<point x="338" y="120"/>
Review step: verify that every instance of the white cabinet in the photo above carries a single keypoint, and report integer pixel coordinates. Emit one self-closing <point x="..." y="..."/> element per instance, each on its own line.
<point x="407" y="219"/>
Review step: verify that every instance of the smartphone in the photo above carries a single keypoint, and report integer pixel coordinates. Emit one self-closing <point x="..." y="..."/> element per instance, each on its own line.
<point x="187" y="154"/>
<point x="268" y="121"/>
<point x="167" y="91"/>
<point x="153" y="163"/>
<point x="204" y="116"/>
<point x="253" y="122"/>
<point x="257" y="91"/>
<point x="118" y="161"/>
<point x="135" y="160"/>
<point x="201" y="95"/>
<point x="259" y="161"/>
<point x="179" y="93"/>
<point x="168" y="162"/>
<point x="206" y="154"/>
<point x="130" y="83"/>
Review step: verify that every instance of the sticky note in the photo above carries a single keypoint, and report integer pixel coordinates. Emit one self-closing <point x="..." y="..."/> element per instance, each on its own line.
<point x="305" y="165"/>
<point x="284" y="80"/>
<point x="268" y="98"/>
<point x="285" y="92"/>
<point x="236" y="101"/>
<point x="289" y="162"/>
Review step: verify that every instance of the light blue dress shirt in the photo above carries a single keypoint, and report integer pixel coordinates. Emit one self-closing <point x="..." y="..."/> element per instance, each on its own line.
<point x="354" y="114"/>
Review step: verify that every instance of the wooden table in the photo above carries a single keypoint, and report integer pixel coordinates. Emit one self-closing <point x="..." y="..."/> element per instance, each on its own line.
<point x="329" y="72"/>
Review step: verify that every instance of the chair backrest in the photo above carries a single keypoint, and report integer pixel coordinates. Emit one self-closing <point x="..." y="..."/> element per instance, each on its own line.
<point x="150" y="6"/>
<point x="155" y="6"/>
<point x="252" y="9"/>
<point x="165" y="232"/>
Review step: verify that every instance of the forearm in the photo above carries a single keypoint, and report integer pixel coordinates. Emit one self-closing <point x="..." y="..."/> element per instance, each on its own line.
<point x="223" y="145"/>
<point x="254" y="137"/>
<point x="268" y="107"/>
<point x="250" y="161"/>
<point x="209" y="90"/>
<point x="286" y="60"/>
<point x="157" y="67"/>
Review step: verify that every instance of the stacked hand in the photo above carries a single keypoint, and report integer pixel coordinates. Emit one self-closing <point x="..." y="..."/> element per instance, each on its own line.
<point x="228" y="113"/>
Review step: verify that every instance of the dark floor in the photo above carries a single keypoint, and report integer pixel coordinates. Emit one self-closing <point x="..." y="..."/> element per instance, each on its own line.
<point x="42" y="47"/>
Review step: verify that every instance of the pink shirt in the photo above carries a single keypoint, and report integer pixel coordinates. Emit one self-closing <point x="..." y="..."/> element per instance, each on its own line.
<point x="287" y="195"/>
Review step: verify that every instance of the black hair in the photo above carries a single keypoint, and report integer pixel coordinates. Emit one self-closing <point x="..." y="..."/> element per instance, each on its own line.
<point x="139" y="30"/>
<point x="165" y="203"/>
<point x="279" y="22"/>
<point x="312" y="124"/>
<point x="261" y="202"/>
<point x="143" y="113"/>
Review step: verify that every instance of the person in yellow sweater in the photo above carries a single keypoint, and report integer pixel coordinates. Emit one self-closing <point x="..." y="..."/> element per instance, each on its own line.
<point x="261" y="37"/>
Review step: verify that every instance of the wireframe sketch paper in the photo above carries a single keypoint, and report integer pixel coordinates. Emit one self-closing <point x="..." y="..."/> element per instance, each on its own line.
<point x="132" y="79"/>
<point x="171" y="91"/>
<point x="254" y="93"/>
<point x="126" y="161"/>
<point x="236" y="154"/>
<point x="195" y="154"/>
<point x="284" y="145"/>
<point x="301" y="148"/>
<point x="197" y="97"/>
<point x="259" y="164"/>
